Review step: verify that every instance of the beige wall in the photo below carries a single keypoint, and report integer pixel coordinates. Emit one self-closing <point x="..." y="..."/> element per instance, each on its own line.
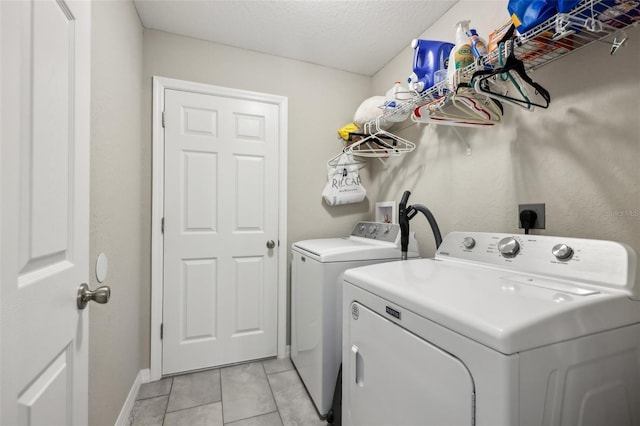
<point x="119" y="342"/>
<point x="580" y="156"/>
<point x="320" y="101"/>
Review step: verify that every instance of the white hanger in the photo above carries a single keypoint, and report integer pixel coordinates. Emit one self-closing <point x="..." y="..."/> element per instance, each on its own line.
<point x="334" y="161"/>
<point x="379" y="143"/>
<point x="467" y="109"/>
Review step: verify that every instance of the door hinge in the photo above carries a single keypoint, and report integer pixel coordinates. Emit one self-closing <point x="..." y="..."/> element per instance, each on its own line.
<point x="162" y="225"/>
<point x="161" y="331"/>
<point x="163" y="119"/>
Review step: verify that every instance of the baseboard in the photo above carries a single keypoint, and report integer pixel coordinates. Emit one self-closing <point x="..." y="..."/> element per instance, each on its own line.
<point x="142" y="377"/>
<point x="287" y="351"/>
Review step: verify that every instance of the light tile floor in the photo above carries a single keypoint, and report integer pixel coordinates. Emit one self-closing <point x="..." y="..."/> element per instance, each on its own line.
<point x="267" y="393"/>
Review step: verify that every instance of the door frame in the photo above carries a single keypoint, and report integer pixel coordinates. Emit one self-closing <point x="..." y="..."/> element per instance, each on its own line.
<point x="160" y="84"/>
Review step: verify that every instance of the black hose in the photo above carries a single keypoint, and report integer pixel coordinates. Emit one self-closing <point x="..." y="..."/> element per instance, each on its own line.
<point x="432" y="222"/>
<point x="403" y="220"/>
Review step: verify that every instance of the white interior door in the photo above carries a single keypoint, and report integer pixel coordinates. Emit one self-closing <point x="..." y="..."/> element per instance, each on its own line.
<point x="221" y="212"/>
<point x="45" y="74"/>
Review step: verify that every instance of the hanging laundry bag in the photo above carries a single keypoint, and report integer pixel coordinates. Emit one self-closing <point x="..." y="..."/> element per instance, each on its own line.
<point x="343" y="183"/>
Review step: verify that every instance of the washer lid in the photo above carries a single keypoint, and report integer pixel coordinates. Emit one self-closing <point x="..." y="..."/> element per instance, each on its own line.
<point x="348" y="249"/>
<point x="504" y="310"/>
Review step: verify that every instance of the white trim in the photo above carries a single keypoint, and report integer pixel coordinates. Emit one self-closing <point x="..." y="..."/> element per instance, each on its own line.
<point x="125" y="413"/>
<point x="283" y="253"/>
<point x="160" y="84"/>
<point x="157" y="212"/>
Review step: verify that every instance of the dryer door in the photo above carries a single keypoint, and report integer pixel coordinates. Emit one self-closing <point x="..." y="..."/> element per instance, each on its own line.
<point x="396" y="378"/>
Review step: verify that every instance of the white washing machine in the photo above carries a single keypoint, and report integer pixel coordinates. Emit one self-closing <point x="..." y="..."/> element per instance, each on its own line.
<point x="316" y="299"/>
<point x="495" y="330"/>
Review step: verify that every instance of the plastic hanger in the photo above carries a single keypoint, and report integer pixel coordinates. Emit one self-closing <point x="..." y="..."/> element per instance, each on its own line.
<point x="496" y="88"/>
<point x="354" y="161"/>
<point x="487" y="109"/>
<point x="508" y="77"/>
<point x="518" y="89"/>
<point x="379" y="143"/>
<point x="437" y="117"/>
<point x="463" y="108"/>
<point x="524" y="91"/>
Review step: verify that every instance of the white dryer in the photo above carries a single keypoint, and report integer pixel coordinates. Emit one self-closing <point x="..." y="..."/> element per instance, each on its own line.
<point x="316" y="299"/>
<point x="495" y="330"/>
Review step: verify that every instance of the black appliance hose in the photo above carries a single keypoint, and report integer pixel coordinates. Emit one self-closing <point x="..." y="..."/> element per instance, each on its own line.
<point x="403" y="220"/>
<point x="432" y="222"/>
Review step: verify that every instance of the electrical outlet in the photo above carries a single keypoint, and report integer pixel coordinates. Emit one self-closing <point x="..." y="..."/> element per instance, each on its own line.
<point x="539" y="209"/>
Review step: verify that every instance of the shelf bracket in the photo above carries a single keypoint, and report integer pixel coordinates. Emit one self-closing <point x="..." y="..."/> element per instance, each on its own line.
<point x="619" y="38"/>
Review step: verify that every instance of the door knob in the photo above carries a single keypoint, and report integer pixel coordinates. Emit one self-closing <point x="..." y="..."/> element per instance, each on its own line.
<point x="85" y="295"/>
<point x="271" y="244"/>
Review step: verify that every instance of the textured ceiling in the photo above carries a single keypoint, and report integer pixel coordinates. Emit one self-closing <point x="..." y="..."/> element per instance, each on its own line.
<point x="355" y="35"/>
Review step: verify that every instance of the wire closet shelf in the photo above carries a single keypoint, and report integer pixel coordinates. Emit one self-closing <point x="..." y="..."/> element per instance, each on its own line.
<point x="563" y="33"/>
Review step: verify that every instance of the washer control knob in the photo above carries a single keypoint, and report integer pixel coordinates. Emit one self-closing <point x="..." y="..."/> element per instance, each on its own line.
<point x="508" y="247"/>
<point x="562" y="251"/>
<point x="372" y="229"/>
<point x="386" y="229"/>
<point x="362" y="228"/>
<point x="469" y="243"/>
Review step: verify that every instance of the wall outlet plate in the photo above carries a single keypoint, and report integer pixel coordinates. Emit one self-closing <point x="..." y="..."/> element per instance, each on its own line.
<point x="540" y="211"/>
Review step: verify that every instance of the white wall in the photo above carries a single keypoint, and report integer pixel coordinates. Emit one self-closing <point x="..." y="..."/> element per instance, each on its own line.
<point x="119" y="335"/>
<point x="321" y="100"/>
<point x="579" y="157"/>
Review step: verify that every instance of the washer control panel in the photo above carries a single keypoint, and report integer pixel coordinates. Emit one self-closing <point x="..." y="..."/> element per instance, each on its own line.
<point x="508" y="247"/>
<point x="598" y="262"/>
<point x="562" y="251"/>
<point x="377" y="231"/>
<point x="468" y="242"/>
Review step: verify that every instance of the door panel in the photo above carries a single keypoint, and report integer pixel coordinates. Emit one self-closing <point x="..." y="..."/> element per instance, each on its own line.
<point x="201" y="183"/>
<point x="45" y="204"/>
<point x="249" y="295"/>
<point x="249" y="181"/>
<point x="221" y="175"/>
<point x="47" y="172"/>
<point x="46" y="400"/>
<point x="199" y="294"/>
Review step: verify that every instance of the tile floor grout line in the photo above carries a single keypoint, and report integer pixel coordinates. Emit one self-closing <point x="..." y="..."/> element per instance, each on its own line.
<point x="164" y="416"/>
<point x="168" y="398"/>
<point x="221" y="396"/>
<point x="151" y="397"/>
<point x="195" y="406"/>
<point x="275" y="401"/>
<point x="252" y="417"/>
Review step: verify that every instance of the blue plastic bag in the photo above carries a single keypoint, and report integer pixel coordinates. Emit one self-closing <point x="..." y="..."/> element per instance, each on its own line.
<point x="526" y="14"/>
<point x="565" y="6"/>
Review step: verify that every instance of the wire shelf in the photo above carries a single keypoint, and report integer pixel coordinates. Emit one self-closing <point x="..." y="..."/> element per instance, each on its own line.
<point x="589" y="21"/>
<point x="564" y="33"/>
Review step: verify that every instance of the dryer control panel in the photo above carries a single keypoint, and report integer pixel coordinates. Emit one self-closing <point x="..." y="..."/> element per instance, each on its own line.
<point x="377" y="231"/>
<point x="593" y="262"/>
